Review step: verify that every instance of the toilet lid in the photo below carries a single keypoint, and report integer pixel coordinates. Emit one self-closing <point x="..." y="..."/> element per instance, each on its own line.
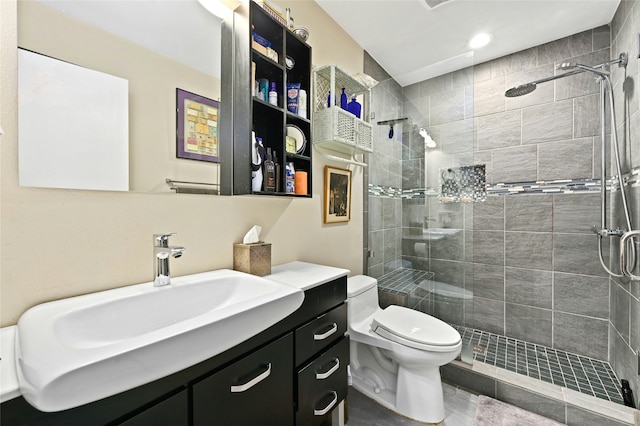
<point x="407" y="326"/>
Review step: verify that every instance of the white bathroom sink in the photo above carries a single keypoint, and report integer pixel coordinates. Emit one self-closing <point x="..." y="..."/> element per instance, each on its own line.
<point x="439" y="233"/>
<point x="78" y="350"/>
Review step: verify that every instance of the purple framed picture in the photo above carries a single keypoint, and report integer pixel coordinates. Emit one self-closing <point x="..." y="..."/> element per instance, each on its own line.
<point x="197" y="127"/>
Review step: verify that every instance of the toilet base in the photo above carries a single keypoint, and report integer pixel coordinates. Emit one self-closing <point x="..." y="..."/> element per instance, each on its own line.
<point x="418" y="398"/>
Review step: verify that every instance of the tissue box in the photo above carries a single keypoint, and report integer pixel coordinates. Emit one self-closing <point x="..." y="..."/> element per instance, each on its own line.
<point x="252" y="258"/>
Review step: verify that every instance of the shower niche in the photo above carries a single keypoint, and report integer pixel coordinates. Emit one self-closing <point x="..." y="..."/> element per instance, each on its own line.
<point x="466" y="184"/>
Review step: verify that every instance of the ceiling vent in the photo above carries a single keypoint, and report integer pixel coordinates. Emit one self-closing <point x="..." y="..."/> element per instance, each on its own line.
<point x="434" y="3"/>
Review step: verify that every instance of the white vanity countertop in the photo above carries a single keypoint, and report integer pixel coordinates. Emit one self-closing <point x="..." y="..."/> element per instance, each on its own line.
<point x="305" y="275"/>
<point x="9" y="387"/>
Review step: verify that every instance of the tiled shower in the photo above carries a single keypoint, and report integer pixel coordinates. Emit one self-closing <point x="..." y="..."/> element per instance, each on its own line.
<point x="523" y="263"/>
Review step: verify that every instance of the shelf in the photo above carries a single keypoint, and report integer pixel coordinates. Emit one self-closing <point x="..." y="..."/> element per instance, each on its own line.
<point x="245" y="113"/>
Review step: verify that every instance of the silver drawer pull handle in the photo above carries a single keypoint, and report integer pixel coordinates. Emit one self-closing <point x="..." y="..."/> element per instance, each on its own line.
<point x="252" y="382"/>
<point x="322" y="376"/>
<point x="323" y="336"/>
<point x="328" y="408"/>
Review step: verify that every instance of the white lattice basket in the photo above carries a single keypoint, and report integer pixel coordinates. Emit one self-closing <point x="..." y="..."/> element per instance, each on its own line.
<point x="337" y="125"/>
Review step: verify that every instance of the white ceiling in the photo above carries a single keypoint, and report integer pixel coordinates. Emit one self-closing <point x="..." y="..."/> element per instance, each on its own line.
<point x="414" y="42"/>
<point x="410" y="40"/>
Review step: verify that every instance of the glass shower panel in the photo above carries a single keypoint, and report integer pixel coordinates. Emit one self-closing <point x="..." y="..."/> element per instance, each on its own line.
<point x="420" y="244"/>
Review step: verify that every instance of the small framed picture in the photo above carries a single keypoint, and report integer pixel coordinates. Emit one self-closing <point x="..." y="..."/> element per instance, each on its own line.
<point x="197" y="127"/>
<point x="337" y="195"/>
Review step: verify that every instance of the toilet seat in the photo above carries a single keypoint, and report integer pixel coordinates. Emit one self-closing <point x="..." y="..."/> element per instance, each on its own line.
<point x="414" y="329"/>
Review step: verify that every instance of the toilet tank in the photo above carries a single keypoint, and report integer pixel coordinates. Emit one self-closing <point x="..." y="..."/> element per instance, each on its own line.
<point x="362" y="297"/>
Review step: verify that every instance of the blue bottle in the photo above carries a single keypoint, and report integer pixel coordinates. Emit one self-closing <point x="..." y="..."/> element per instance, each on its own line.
<point x="354" y="107"/>
<point x="343" y="99"/>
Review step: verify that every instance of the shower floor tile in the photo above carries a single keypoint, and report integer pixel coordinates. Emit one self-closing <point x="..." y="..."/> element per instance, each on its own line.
<point x="586" y="375"/>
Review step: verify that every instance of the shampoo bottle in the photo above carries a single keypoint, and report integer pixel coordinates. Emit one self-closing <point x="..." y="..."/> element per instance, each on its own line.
<point x="269" y="173"/>
<point x="273" y="93"/>
<point x="343" y="99"/>
<point x="329" y="99"/>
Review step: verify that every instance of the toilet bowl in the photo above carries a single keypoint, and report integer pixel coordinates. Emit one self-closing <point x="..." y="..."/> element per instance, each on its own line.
<point x="396" y="353"/>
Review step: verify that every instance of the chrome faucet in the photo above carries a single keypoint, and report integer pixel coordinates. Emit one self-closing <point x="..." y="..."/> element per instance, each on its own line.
<point x="161" y="254"/>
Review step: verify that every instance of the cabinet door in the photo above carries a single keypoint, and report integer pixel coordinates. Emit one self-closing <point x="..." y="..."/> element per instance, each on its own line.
<point x="255" y="390"/>
<point x="172" y="411"/>
<point x="322" y="384"/>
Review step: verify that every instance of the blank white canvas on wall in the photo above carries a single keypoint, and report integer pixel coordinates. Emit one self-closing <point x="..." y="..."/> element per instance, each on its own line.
<point x="73" y="126"/>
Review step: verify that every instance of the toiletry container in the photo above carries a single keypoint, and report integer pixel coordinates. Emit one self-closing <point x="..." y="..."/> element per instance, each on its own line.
<point x="277" y="168"/>
<point x="290" y="171"/>
<point x="329" y="99"/>
<point x="302" y="103"/>
<point x="343" y="99"/>
<point x="269" y="173"/>
<point x="273" y="93"/>
<point x="263" y="85"/>
<point x="257" y="154"/>
<point x="354" y="107"/>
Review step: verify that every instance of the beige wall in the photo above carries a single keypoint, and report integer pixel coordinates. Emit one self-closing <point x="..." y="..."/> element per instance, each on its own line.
<point x="60" y="243"/>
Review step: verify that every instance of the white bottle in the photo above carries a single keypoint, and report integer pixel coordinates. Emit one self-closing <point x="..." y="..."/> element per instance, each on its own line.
<point x="290" y="175"/>
<point x="273" y="94"/>
<point x="302" y="103"/>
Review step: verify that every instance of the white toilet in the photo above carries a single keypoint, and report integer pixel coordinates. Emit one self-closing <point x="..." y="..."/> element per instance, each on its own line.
<point x="396" y="353"/>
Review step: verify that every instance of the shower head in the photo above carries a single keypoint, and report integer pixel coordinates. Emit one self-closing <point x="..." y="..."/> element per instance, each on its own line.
<point x="566" y="66"/>
<point x="521" y="90"/>
<point x="428" y="141"/>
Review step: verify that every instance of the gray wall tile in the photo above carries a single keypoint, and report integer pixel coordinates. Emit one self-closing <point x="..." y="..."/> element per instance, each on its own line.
<point x="489" y="215"/>
<point x="528" y="323"/>
<point x="548" y="122"/>
<point x="499" y="130"/>
<point x="529" y="287"/>
<point x="530" y="250"/>
<point x="567" y="47"/>
<point x="516" y="164"/>
<point x="529" y="213"/>
<point x="576" y="213"/>
<point x="531" y="401"/>
<point x="488" y="247"/>
<point x="577" y="416"/>
<point x="582" y="335"/>
<point x="447" y="106"/>
<point x="586" y="116"/>
<point x="488" y="315"/>
<point x="581" y="294"/>
<point x="578" y="254"/>
<point x="487" y="281"/>
<point x="572" y="159"/>
<point x="621" y="303"/>
<point x="489" y="96"/>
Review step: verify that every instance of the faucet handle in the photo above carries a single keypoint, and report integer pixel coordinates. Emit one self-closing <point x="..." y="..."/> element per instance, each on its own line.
<point x="162" y="240"/>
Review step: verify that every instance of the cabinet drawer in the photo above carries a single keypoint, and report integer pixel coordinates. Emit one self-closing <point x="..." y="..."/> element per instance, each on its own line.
<point x="322" y="384"/>
<point x="255" y="390"/>
<point x="312" y="337"/>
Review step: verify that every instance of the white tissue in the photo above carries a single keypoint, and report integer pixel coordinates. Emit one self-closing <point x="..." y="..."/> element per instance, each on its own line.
<point x="253" y="236"/>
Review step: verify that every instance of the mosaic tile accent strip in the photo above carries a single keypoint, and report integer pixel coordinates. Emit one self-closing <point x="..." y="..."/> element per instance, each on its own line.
<point x="582" y="374"/>
<point x="466" y="184"/>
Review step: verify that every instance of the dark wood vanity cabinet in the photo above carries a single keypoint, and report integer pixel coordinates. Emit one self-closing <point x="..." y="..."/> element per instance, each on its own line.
<point x="293" y="373"/>
<point x="256" y="390"/>
<point x="322" y="356"/>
